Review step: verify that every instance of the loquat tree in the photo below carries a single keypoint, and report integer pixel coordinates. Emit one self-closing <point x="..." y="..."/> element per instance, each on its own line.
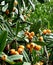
<point x="26" y="32"/>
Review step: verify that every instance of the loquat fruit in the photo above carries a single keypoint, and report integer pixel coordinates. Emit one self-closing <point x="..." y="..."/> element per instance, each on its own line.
<point x="41" y="63"/>
<point x="37" y="47"/>
<point x="48" y="31"/>
<point x="44" y="31"/>
<point x="32" y="33"/>
<point x="32" y="45"/>
<point x="30" y="37"/>
<point x="26" y="33"/>
<point x="21" y="46"/>
<point x="12" y="51"/>
<point x="20" y="50"/>
<point x="4" y="57"/>
<point x="16" y="53"/>
<point x="41" y="38"/>
<point x="28" y="46"/>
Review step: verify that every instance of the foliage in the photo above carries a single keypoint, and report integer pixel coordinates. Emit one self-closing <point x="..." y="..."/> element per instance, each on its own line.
<point x="24" y="22"/>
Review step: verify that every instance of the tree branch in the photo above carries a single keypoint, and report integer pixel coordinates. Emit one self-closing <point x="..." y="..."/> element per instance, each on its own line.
<point x="47" y="57"/>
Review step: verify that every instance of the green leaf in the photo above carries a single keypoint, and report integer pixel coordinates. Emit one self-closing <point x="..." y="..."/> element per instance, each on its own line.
<point x="50" y="44"/>
<point x="10" y="29"/>
<point x="18" y="63"/>
<point x="5" y="7"/>
<point x="3" y="37"/>
<point x="51" y="56"/>
<point x="26" y="63"/>
<point x="40" y="43"/>
<point x="15" y="57"/>
<point x="26" y="56"/>
<point x="34" y="56"/>
<point x="10" y="61"/>
<point x="17" y="27"/>
<point x="11" y="4"/>
<point x="20" y="3"/>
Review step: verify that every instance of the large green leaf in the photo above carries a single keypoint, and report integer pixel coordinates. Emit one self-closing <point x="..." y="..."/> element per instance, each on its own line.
<point x="15" y="57"/>
<point x="25" y="55"/>
<point x="3" y="37"/>
<point x="10" y="59"/>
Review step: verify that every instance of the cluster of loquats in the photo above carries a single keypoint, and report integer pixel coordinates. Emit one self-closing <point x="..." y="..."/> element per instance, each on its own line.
<point x="19" y="51"/>
<point x="46" y="31"/>
<point x="30" y="35"/>
<point x="14" y="52"/>
<point x="32" y="46"/>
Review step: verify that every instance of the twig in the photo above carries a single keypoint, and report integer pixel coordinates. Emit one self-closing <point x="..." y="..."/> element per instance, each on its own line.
<point x="46" y="55"/>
